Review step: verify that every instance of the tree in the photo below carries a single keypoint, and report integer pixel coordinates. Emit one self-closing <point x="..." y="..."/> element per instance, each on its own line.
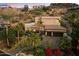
<point x="37" y="11"/>
<point x="64" y="43"/>
<point x="6" y="17"/>
<point x="25" y="9"/>
<point x="40" y="23"/>
<point x="2" y="35"/>
<point x="11" y="36"/>
<point x="21" y="16"/>
<point x="45" y="8"/>
<point x="72" y="17"/>
<point x="8" y="36"/>
<point x="33" y="39"/>
<point x="75" y="33"/>
<point x="39" y="51"/>
<point x="20" y="30"/>
<point x="67" y="5"/>
<point x="36" y="41"/>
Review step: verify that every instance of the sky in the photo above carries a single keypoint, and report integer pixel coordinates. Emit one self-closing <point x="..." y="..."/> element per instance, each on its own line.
<point x="20" y="5"/>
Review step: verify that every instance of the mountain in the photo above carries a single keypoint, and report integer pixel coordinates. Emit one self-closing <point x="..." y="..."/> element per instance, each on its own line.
<point x="63" y="5"/>
<point x="2" y="5"/>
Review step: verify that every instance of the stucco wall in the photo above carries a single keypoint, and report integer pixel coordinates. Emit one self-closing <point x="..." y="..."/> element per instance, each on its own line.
<point x="49" y="20"/>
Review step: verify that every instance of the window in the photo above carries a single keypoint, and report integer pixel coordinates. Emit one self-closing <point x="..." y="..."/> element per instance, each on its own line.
<point x="57" y="34"/>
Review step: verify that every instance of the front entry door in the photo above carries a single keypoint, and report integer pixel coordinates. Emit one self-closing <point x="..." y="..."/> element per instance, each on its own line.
<point x="49" y="33"/>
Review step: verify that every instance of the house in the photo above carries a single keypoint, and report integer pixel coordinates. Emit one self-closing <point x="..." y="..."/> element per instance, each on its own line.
<point x="3" y="24"/>
<point x="38" y="6"/>
<point x="51" y="26"/>
<point x="29" y="25"/>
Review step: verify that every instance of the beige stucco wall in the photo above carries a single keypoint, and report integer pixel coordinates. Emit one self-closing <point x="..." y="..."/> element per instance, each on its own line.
<point x="49" y="20"/>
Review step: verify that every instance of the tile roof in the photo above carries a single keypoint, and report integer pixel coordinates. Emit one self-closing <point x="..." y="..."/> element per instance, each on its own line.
<point x="54" y="28"/>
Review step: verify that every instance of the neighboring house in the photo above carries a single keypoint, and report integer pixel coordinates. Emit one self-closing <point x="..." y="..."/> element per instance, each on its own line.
<point x="38" y="6"/>
<point x="28" y="26"/>
<point x="3" y="24"/>
<point x="2" y="27"/>
<point x="51" y="26"/>
<point x="13" y="25"/>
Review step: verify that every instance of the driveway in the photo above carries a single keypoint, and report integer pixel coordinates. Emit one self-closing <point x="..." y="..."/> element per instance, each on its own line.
<point x="52" y="42"/>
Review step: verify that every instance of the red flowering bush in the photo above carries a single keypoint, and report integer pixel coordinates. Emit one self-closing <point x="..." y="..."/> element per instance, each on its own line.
<point x="58" y="52"/>
<point x="68" y="52"/>
<point x="48" y="52"/>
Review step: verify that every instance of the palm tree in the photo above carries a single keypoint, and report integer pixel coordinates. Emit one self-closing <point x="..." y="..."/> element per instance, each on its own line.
<point x="20" y="30"/>
<point x="31" y="41"/>
<point x="35" y="39"/>
<point x="7" y="36"/>
<point x="2" y="32"/>
<point x="41" y="26"/>
<point x="6" y="18"/>
<point x="12" y="36"/>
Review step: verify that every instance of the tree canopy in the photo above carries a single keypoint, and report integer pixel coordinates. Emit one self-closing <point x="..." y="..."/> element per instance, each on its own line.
<point x="72" y="16"/>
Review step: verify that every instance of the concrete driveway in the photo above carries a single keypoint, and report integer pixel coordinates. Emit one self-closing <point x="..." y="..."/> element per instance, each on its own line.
<point x="52" y="42"/>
